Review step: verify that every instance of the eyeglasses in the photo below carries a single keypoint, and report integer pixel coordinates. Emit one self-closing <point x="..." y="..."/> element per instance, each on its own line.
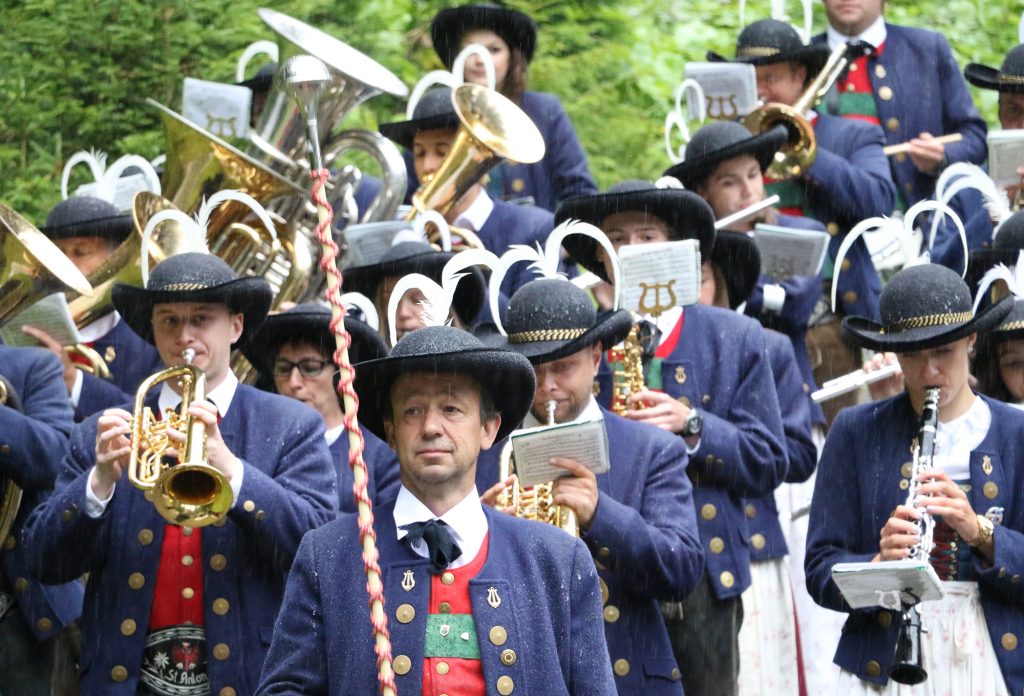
<point x="309" y="367"/>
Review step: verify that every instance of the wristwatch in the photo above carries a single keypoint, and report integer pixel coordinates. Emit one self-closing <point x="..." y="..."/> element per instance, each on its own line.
<point x="694" y="423"/>
<point x="986" y="528"/>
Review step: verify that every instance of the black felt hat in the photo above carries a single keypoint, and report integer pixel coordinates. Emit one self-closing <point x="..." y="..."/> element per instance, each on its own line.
<point x="923" y="307"/>
<point x="769" y="41"/>
<point x="720" y="141"/>
<point x="506" y="376"/>
<point x="434" y="111"/>
<point x="737" y="257"/>
<point x="85" y="216"/>
<point x="310" y="323"/>
<point x="686" y="214"/>
<point x="419" y="257"/>
<point x="548" y="319"/>
<point x="262" y="80"/>
<point x="193" y="277"/>
<point x="1012" y="325"/>
<point x="452" y="23"/>
<point x="1008" y="78"/>
<point x="1005" y="249"/>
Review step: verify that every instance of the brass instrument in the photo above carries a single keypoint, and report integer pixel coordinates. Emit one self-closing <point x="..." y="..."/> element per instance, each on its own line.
<point x="31" y="266"/>
<point x="907" y="666"/>
<point x="10" y="494"/>
<point x="626" y="360"/>
<point x="802" y="147"/>
<point x="394" y="177"/>
<point x="185" y="490"/>
<point x="492" y="128"/>
<point x="535" y="502"/>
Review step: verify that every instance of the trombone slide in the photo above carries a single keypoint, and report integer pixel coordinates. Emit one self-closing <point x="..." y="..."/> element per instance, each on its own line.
<point x="854" y="380"/>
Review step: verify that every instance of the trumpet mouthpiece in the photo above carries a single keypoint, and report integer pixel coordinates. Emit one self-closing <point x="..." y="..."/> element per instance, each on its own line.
<point x="188" y="355"/>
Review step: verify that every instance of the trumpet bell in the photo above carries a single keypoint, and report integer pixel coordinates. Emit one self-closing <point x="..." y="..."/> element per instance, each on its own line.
<point x="801" y="147"/>
<point x="31" y="266"/>
<point x="279" y="139"/>
<point x="196" y="495"/>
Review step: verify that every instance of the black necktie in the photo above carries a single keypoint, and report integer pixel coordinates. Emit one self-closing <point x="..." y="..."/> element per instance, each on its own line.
<point x="441" y="547"/>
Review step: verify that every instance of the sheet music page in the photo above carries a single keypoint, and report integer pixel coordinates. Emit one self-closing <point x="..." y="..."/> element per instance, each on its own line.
<point x="534" y="447"/>
<point x="657" y="277"/>
<point x="787" y="252"/>
<point x="1005" y="154"/>
<point x="730" y="89"/>
<point x="49" y="314"/>
<point x="220" y="108"/>
<point x="874" y="584"/>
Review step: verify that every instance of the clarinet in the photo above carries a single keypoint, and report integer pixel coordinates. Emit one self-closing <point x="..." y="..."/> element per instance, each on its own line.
<point x="907" y="667"/>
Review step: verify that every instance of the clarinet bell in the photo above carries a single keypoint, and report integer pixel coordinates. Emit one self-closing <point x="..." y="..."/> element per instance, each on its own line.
<point x="907" y="668"/>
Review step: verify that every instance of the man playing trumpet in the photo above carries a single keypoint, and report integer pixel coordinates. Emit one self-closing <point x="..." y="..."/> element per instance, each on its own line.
<point x="164" y="606"/>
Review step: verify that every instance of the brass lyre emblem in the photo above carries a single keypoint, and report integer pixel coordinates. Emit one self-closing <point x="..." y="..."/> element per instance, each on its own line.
<point x="721" y="111"/>
<point x="109" y="354"/>
<point x="492" y="597"/>
<point x="221" y="125"/>
<point x="680" y="375"/>
<point x="986" y="465"/>
<point x="657" y="306"/>
<point x="408" y="581"/>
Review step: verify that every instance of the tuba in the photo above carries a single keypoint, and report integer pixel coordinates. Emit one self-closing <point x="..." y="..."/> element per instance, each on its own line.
<point x="187" y="491"/>
<point x="536" y="502"/>
<point x="801" y="147"/>
<point x="492" y="128"/>
<point x="10" y="494"/>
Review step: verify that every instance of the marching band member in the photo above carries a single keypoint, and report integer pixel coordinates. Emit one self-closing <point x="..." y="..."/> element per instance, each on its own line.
<point x="726" y="410"/>
<point x="637" y="518"/>
<point x="295" y="349"/>
<point x="511" y="37"/>
<point x="999" y="364"/>
<point x="860" y="511"/>
<point x="429" y="135"/>
<point x="478" y="602"/>
<point x="910" y="85"/>
<point x="88" y="230"/>
<point x="169" y="606"/>
<point x="32" y="615"/>
<point x="377" y="280"/>
<point x="848" y="182"/>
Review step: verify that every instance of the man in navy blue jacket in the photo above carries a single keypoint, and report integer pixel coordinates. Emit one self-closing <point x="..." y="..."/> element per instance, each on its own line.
<point x="910" y="85"/>
<point x="172" y="604"/>
<point x="477" y="602"/>
<point x="637" y="518"/>
<point x="35" y="419"/>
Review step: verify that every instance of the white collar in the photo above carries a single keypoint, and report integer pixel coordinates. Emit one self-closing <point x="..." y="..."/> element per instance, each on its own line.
<point x="873" y="35"/>
<point x="99" y="328"/>
<point x="474" y="217"/>
<point x="466" y="520"/>
<point x="590" y="412"/>
<point x="333" y="434"/>
<point x="221" y="395"/>
<point x="666" y="321"/>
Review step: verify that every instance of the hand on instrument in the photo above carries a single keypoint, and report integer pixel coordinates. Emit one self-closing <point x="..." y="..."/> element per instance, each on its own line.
<point x="217" y="453"/>
<point x="49" y="343"/>
<point x="926" y="155"/>
<point x="941" y="496"/>
<point x="113" y="449"/>
<point x="885" y="388"/>
<point x="578" y="492"/>
<point x="899" y="534"/>
<point x="490" y="496"/>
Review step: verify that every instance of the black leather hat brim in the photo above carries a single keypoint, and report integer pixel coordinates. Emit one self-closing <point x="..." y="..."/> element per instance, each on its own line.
<point x="249" y="296"/>
<point x="1012" y="326"/>
<point x="987" y="77"/>
<point x="115" y="229"/>
<point x="869" y="334"/>
<point x="313" y="328"/>
<point x="762" y="147"/>
<point x="506" y="376"/>
<point x="813" y="56"/>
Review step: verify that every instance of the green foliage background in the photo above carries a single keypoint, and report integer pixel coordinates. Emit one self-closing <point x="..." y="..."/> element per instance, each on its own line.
<point x="76" y="72"/>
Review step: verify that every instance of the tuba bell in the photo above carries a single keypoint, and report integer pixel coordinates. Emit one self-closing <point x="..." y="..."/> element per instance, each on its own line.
<point x="185" y="489"/>
<point x="801" y="147"/>
<point x="10" y="493"/>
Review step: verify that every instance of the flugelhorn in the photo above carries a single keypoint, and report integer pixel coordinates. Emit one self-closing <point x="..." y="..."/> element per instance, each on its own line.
<point x="185" y="489"/>
<point x="535" y="502"/>
<point x="10" y="493"/>
<point x="802" y="146"/>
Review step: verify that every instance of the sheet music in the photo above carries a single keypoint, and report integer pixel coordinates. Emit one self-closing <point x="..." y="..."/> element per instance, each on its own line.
<point x="1005" y="154"/>
<point x="49" y="314"/>
<point x="534" y="447"/>
<point x="657" y="277"/>
<point x="787" y="252"/>
<point x="730" y="89"/>
<point x="880" y="584"/>
<point x="220" y="108"/>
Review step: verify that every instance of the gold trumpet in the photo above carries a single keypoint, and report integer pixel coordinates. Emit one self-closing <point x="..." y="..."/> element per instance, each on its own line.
<point x="801" y="148"/>
<point x="187" y="491"/>
<point x="10" y="494"/>
<point x="492" y="128"/>
<point x="535" y="502"/>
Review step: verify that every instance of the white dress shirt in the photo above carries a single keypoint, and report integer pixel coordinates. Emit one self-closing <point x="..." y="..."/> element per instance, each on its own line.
<point x="466" y="521"/>
<point x="956" y="439"/>
<point x="474" y="217"/>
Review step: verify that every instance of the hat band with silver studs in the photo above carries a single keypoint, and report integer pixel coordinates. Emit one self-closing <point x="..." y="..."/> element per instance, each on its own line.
<point x="757" y="51"/>
<point x="546" y="335"/>
<point x="928" y="320"/>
